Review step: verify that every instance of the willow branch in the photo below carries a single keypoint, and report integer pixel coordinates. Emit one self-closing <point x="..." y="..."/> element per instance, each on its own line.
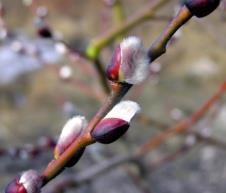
<point x="143" y="14"/>
<point x="159" y="46"/>
<point x="153" y="142"/>
<point x="57" y="166"/>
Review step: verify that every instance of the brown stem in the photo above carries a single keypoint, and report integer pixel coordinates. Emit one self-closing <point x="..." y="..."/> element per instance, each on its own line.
<point x="159" y="46"/>
<point x="144" y="14"/>
<point x="57" y="166"/>
<point x="102" y="77"/>
<point x="69" y="181"/>
<point x="97" y="64"/>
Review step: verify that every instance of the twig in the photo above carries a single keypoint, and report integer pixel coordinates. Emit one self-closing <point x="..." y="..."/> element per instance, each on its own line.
<point x="143" y="14"/>
<point x="85" y="139"/>
<point x="120" y="89"/>
<point x="29" y="151"/>
<point x="102" y="76"/>
<point x="138" y="180"/>
<point x="79" y="85"/>
<point x="159" y="46"/>
<point x="183" y="125"/>
<point x="209" y="140"/>
<point x="172" y="157"/>
<point x="153" y="142"/>
<point x="70" y="181"/>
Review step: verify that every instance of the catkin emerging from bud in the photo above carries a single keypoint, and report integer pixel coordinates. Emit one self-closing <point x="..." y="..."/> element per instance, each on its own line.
<point x="116" y="122"/>
<point x="129" y="63"/>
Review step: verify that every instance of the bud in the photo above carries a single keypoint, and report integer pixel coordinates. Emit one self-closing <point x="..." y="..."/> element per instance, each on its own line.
<point x="201" y="8"/>
<point x="116" y="122"/>
<point x="70" y="132"/>
<point x="29" y="182"/>
<point x="129" y="63"/>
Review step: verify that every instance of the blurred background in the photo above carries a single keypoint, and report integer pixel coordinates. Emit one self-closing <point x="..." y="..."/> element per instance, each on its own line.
<point x="41" y="87"/>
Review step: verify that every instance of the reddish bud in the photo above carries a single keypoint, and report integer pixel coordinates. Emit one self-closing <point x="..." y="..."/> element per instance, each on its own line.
<point x="29" y="182"/>
<point x="115" y="123"/>
<point x="15" y="187"/>
<point x="113" y="68"/>
<point x="109" y="130"/>
<point x="129" y="63"/>
<point x="201" y="8"/>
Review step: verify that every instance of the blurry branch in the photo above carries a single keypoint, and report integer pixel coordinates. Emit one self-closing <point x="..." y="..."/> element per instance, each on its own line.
<point x="187" y="148"/>
<point x="162" y="18"/>
<point x="148" y="121"/>
<point x="184" y="149"/>
<point x="119" y="89"/>
<point x="98" y="67"/>
<point x="183" y="125"/>
<point x="138" y="180"/>
<point x="209" y="140"/>
<point x="118" y="92"/>
<point x="29" y="151"/>
<point x="83" y="177"/>
<point x="142" y="15"/>
<point x="118" y="15"/>
<point x="45" y="31"/>
<point x="92" y="52"/>
<point x="95" y="46"/>
<point x="4" y="31"/>
<point x="72" y="181"/>
<point x="56" y="166"/>
<point x="101" y="72"/>
<point x="83" y="88"/>
<point x="46" y="143"/>
<point x="180" y="128"/>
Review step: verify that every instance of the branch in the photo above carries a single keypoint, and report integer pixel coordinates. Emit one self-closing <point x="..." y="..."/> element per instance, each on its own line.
<point x="142" y="15"/>
<point x="183" y="125"/>
<point x="57" y="166"/>
<point x="159" y="46"/>
<point x="153" y="142"/>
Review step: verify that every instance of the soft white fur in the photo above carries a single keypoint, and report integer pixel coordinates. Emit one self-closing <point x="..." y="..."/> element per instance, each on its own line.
<point x="124" y="110"/>
<point x="140" y="60"/>
<point x="71" y="130"/>
<point x="31" y="181"/>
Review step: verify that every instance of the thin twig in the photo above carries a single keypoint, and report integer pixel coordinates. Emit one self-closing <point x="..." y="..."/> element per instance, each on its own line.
<point x="143" y="14"/>
<point x="56" y="166"/>
<point x="153" y="142"/>
<point x="183" y="125"/>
